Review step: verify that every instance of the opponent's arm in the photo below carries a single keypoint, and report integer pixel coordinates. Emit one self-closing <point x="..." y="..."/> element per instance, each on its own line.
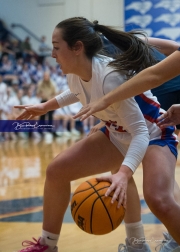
<point x="165" y="46"/>
<point x="145" y="80"/>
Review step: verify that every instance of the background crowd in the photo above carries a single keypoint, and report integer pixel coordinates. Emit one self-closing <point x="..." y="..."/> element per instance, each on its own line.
<point x="28" y="78"/>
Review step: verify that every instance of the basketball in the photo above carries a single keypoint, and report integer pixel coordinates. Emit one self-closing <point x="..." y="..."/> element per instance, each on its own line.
<point x="92" y="211"/>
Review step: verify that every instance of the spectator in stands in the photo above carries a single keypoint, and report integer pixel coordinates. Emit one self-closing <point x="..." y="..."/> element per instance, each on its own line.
<point x="27" y="49"/>
<point x="16" y="48"/>
<point x="60" y="79"/>
<point x="7" y="49"/>
<point x="6" y="66"/>
<point x="8" y="110"/>
<point x="30" y="98"/>
<point x="88" y="124"/>
<point x="32" y="66"/>
<point x="46" y="65"/>
<point x="63" y="120"/>
<point x="3" y="91"/>
<point x="25" y="76"/>
<point x="3" y="31"/>
<point x="18" y="67"/>
<point x="44" y="50"/>
<point x="46" y="89"/>
<point x="38" y="74"/>
<point x="3" y="88"/>
<point x="6" y="69"/>
<point x="15" y="86"/>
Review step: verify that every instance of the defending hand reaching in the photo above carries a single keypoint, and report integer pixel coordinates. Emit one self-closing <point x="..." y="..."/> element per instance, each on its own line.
<point x="90" y="109"/>
<point x="170" y="117"/>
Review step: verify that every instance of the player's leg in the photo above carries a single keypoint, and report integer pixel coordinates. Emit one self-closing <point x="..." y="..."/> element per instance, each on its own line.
<point x="89" y="156"/>
<point x="134" y="227"/>
<point x="133" y="223"/>
<point x="159" y="184"/>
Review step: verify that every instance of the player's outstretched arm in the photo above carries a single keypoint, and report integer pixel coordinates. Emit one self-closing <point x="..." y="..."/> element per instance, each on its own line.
<point x="145" y="80"/>
<point x="91" y="108"/>
<point x="31" y="111"/>
<point x="165" y="46"/>
<point x="171" y="117"/>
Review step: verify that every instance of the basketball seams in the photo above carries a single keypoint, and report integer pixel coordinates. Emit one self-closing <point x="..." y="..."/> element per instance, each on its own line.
<point x="90" y="188"/>
<point x="99" y="196"/>
<point x="82" y="202"/>
<point x="83" y="190"/>
<point x="89" y="213"/>
<point x="88" y="195"/>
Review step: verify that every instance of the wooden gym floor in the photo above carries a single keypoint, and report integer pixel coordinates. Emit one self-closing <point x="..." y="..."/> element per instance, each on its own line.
<point x="22" y="174"/>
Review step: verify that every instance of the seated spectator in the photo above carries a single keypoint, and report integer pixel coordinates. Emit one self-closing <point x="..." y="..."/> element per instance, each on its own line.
<point x="3" y="92"/>
<point x="18" y="67"/>
<point x="30" y="98"/>
<point x="16" y="48"/>
<point x="46" y="65"/>
<point x="6" y="66"/>
<point x="32" y="66"/>
<point x="9" y="101"/>
<point x="25" y="76"/>
<point x="60" y="79"/>
<point x="38" y="74"/>
<point x="3" y="88"/>
<point x="64" y="123"/>
<point x="6" y="69"/>
<point x="8" y="50"/>
<point x="15" y="86"/>
<point x="8" y="111"/>
<point x="89" y="123"/>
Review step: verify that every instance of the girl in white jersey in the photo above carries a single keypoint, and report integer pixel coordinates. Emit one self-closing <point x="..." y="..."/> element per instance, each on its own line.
<point x="120" y="146"/>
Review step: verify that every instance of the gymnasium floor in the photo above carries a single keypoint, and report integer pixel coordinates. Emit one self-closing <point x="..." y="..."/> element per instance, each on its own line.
<point x="22" y="174"/>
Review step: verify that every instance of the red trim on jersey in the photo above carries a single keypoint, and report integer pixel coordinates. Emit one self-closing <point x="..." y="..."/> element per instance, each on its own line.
<point x="149" y="101"/>
<point x="150" y="119"/>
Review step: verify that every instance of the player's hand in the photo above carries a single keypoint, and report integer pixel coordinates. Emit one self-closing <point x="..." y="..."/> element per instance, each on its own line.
<point x="90" y="109"/>
<point x="31" y="111"/>
<point x="170" y="117"/>
<point x="119" y="183"/>
<point x="96" y="128"/>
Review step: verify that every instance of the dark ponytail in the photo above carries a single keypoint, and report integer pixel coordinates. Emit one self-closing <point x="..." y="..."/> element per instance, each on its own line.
<point x="136" y="54"/>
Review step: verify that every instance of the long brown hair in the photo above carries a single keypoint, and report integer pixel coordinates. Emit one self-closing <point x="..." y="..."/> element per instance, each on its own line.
<point x="136" y="54"/>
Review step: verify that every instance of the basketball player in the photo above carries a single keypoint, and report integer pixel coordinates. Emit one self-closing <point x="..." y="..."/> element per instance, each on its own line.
<point x="120" y="146"/>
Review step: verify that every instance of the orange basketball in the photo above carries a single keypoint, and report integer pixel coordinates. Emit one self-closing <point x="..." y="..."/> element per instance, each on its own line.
<point x="92" y="211"/>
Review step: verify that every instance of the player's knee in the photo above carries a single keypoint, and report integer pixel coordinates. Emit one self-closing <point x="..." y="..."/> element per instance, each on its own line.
<point x="158" y="204"/>
<point x="56" y="170"/>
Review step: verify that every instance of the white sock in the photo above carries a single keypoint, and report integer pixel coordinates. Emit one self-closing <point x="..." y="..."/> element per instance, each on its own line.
<point x="135" y="234"/>
<point x="50" y="239"/>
